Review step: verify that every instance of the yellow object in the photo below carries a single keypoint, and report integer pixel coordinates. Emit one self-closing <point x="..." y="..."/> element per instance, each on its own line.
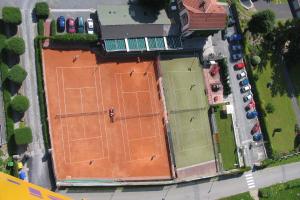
<point x="20" y="165"/>
<point x="16" y="189"/>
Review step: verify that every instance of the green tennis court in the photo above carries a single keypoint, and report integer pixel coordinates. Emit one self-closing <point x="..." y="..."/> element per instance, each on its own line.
<point x="187" y="108"/>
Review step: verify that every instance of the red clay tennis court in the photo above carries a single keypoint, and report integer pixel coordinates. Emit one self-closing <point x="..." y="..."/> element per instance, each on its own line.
<point x="85" y="142"/>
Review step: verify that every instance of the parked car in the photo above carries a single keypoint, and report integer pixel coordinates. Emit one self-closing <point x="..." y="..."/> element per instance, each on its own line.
<point x="241" y="75"/>
<point x="239" y="65"/>
<point x="251" y="114"/>
<point x="71" y="25"/>
<point x="236" y="56"/>
<point x="257" y="137"/>
<point x="235" y="37"/>
<point x="248" y="97"/>
<point x="90" y="26"/>
<point x="214" y="70"/>
<point x="245" y="88"/>
<point x="255" y="129"/>
<point x="236" y="47"/>
<point x="244" y="82"/>
<point x="79" y="25"/>
<point x="61" y="24"/>
<point x="251" y="105"/>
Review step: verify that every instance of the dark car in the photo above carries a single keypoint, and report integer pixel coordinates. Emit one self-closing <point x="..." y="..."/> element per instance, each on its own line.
<point x="236" y="56"/>
<point x="235" y="37"/>
<point x="61" y="24"/>
<point x="71" y="25"/>
<point x="251" y="115"/>
<point x="244" y="82"/>
<point x="80" y="25"/>
<point x="257" y="137"/>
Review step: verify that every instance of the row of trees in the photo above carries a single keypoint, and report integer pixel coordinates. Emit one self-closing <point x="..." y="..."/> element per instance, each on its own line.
<point x="13" y="76"/>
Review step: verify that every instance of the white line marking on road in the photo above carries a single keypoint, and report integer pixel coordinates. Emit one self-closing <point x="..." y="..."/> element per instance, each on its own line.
<point x="247" y="175"/>
<point x="73" y="10"/>
<point x="250" y="182"/>
<point x="253" y="186"/>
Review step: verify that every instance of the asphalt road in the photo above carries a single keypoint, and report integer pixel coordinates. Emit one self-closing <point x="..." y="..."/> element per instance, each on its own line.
<point x="212" y="189"/>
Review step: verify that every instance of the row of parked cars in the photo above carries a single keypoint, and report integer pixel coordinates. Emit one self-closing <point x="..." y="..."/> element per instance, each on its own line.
<point x="75" y="26"/>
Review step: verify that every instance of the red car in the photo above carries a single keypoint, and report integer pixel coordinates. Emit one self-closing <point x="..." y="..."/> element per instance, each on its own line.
<point x="240" y="65"/>
<point x="71" y="25"/>
<point x="214" y="70"/>
<point x="251" y="105"/>
<point x="256" y="128"/>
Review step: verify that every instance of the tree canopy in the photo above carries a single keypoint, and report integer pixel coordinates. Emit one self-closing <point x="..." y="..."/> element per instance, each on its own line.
<point x="23" y="135"/>
<point x="262" y="22"/>
<point x="158" y="4"/>
<point x="15" y="45"/>
<point x="42" y="10"/>
<point x="12" y="15"/>
<point x="20" y="104"/>
<point x="2" y="42"/>
<point x="17" y="74"/>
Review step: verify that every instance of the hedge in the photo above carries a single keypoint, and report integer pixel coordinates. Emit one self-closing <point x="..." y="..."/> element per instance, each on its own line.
<point x="4" y="71"/>
<point x="40" y="27"/>
<point x="15" y="45"/>
<point x="42" y="10"/>
<point x="11" y="15"/>
<point x="17" y="74"/>
<point x="273" y="191"/>
<point x="78" y="37"/>
<point x="41" y="94"/>
<point x="2" y="42"/>
<point x="53" y="28"/>
<point x="20" y="103"/>
<point x="23" y="136"/>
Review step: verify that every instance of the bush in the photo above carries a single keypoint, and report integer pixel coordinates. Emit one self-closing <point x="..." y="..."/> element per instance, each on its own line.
<point x="20" y="104"/>
<point x="40" y="26"/>
<point x="42" y="10"/>
<point x="4" y="71"/>
<point x="15" y="45"/>
<point x="17" y="74"/>
<point x="11" y="15"/>
<point x="82" y="37"/>
<point x="270" y="108"/>
<point x="53" y="28"/>
<point x="23" y="135"/>
<point x="255" y="60"/>
<point x="2" y="42"/>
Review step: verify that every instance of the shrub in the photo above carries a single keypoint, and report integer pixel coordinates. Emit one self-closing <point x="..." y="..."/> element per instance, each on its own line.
<point x="17" y="74"/>
<point x="270" y="108"/>
<point x="23" y="135"/>
<point x="11" y="15"/>
<point x="82" y="37"/>
<point x="2" y="42"/>
<point x="255" y="60"/>
<point x="4" y="71"/>
<point x="40" y="26"/>
<point x="20" y="104"/>
<point x="15" y="45"/>
<point x="53" y="28"/>
<point x="42" y="10"/>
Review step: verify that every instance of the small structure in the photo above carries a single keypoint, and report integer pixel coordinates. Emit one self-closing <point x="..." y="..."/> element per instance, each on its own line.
<point x="201" y="16"/>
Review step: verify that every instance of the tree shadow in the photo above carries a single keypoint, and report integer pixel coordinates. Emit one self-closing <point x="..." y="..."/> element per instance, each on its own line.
<point x="33" y="16"/>
<point x="297" y="141"/>
<point x="278" y="86"/>
<point x="10" y="59"/>
<point x="143" y="14"/>
<point x="16" y="116"/>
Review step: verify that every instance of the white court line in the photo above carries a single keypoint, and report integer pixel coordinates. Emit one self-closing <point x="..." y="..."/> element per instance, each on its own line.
<point x="141" y="91"/>
<point x="73" y="10"/>
<point x="60" y="121"/>
<point x="69" y="88"/>
<point x="89" y="66"/>
<point x="81" y="102"/>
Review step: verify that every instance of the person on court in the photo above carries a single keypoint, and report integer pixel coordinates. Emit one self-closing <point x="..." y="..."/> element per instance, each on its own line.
<point x="111" y="113"/>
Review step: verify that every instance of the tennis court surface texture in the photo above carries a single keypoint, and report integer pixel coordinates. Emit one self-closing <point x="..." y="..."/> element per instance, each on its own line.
<point x="80" y="90"/>
<point x="187" y="109"/>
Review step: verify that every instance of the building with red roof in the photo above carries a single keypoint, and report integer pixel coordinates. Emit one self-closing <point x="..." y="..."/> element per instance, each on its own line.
<point x="201" y="16"/>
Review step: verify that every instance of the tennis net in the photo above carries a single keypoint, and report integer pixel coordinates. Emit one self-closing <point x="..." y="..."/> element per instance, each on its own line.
<point x="137" y="116"/>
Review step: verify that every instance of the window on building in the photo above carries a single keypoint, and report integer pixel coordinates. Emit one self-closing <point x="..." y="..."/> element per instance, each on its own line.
<point x="184" y="19"/>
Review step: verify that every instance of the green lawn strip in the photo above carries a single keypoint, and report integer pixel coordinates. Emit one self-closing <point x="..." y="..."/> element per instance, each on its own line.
<point x="294" y="72"/>
<point x="226" y="143"/>
<point x="274" y="163"/>
<point x="241" y="196"/>
<point x="288" y="190"/>
<point x="190" y="129"/>
<point x="283" y="117"/>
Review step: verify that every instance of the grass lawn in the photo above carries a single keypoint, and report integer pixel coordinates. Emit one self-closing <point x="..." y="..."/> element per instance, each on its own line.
<point x="294" y="74"/>
<point x="283" y="117"/>
<point x="227" y="144"/>
<point x="288" y="190"/>
<point x="242" y="196"/>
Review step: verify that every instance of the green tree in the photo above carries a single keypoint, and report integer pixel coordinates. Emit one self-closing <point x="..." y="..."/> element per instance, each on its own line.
<point x="15" y="45"/>
<point x="20" y="104"/>
<point x="23" y="135"/>
<point x="11" y="15"/>
<point x="262" y="22"/>
<point x="17" y="74"/>
<point x="255" y="60"/>
<point x="270" y="108"/>
<point x="2" y="42"/>
<point x="42" y="10"/>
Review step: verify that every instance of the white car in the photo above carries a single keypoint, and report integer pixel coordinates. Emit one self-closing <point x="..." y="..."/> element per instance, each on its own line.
<point x="90" y="26"/>
<point x="245" y="88"/>
<point x="241" y="75"/>
<point x="248" y="97"/>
